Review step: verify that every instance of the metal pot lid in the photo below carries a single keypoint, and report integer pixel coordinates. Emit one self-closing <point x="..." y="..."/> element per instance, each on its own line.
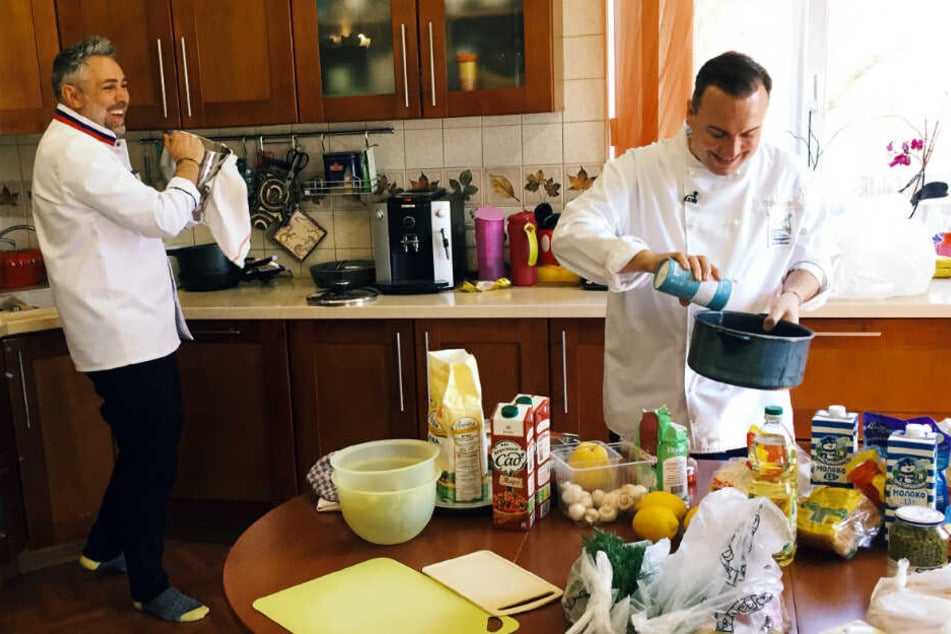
<point x="342" y="294"/>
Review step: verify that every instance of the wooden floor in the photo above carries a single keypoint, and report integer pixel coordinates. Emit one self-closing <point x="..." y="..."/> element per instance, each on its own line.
<point x="67" y="599"/>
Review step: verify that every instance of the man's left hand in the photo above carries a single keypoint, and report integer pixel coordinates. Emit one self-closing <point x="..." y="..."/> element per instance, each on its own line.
<point x="784" y="306"/>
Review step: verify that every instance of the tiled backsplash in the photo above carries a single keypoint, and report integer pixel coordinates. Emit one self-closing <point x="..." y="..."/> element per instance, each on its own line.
<point x="494" y="149"/>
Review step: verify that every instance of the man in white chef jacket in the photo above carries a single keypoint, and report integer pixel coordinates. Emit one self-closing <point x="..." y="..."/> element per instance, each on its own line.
<point x="100" y="230"/>
<point x="724" y="206"/>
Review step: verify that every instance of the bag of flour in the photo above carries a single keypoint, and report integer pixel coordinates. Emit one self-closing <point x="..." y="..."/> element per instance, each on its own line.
<point x="457" y="425"/>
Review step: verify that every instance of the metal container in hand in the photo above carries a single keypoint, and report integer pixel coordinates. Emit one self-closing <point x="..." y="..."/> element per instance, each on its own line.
<point x="732" y="347"/>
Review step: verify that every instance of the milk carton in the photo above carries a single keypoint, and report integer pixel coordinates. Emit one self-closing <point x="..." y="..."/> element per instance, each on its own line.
<point x="513" y="467"/>
<point x="541" y="411"/>
<point x="834" y="442"/>
<point x="910" y="480"/>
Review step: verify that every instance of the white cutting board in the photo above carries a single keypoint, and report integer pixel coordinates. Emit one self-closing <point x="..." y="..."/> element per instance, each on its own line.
<point x="495" y="584"/>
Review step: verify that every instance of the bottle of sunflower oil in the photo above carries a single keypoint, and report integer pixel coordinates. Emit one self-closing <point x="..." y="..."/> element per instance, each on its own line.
<point x="773" y="458"/>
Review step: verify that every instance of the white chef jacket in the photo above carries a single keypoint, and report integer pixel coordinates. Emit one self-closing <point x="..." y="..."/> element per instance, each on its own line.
<point x="755" y="225"/>
<point x="100" y="230"/>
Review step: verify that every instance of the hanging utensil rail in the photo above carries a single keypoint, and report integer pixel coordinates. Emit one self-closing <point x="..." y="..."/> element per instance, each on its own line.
<point x="289" y="137"/>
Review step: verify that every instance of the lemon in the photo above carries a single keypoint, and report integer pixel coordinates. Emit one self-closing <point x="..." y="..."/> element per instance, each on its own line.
<point x="689" y="516"/>
<point x="655" y="523"/>
<point x="584" y="460"/>
<point x="666" y="500"/>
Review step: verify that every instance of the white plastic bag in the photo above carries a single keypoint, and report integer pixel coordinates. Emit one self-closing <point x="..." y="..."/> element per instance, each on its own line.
<point x="917" y="603"/>
<point x="723" y="576"/>
<point x="883" y="253"/>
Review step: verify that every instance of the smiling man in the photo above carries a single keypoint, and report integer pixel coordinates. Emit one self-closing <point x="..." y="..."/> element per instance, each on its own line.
<point x="101" y="230"/>
<point x="722" y="204"/>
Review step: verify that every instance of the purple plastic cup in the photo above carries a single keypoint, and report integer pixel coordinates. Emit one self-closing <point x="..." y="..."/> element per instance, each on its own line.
<point x="490" y="242"/>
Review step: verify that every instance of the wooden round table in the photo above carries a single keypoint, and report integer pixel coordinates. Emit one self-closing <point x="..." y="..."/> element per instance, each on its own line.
<point x="294" y="543"/>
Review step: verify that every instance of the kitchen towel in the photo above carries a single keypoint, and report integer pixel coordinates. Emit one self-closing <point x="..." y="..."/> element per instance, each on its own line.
<point x="226" y="211"/>
<point x="224" y="207"/>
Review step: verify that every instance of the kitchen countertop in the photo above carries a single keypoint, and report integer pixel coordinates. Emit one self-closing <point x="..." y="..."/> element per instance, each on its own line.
<point x="286" y="299"/>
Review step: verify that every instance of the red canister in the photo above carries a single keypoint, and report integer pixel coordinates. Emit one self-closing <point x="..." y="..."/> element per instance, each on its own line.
<point x="523" y="248"/>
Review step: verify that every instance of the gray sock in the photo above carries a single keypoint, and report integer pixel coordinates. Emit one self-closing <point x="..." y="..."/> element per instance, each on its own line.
<point x="116" y="564"/>
<point x="172" y="605"/>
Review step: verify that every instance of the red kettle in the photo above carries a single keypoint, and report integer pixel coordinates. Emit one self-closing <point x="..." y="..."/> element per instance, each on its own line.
<point x="523" y="248"/>
<point x="20" y="267"/>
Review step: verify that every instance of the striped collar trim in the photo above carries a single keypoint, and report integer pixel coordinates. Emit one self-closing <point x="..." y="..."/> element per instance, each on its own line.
<point x="75" y="120"/>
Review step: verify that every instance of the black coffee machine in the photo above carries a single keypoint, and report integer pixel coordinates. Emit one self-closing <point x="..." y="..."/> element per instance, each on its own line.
<point x="419" y="242"/>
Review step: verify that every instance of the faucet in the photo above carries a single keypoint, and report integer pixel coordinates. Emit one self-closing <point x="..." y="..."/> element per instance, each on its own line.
<point x="13" y="228"/>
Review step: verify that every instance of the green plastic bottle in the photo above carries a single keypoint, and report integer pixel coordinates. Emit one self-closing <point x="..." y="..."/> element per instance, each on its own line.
<point x="672" y="458"/>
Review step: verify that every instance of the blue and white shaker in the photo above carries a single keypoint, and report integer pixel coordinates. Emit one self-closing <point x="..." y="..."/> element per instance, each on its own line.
<point x="671" y="278"/>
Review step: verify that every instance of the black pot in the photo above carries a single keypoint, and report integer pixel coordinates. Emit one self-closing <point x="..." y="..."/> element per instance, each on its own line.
<point x="356" y="273"/>
<point x="204" y="267"/>
<point x="733" y="348"/>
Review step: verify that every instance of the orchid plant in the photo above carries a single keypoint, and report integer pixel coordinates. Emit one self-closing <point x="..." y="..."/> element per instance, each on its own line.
<point x="918" y="150"/>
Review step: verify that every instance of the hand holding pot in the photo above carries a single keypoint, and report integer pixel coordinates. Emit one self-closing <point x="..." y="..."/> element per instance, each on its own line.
<point x="798" y="287"/>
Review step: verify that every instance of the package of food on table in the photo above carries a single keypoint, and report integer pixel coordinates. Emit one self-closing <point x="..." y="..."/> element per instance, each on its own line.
<point x="837" y="519"/>
<point x="457" y="425"/>
<point x="736" y="473"/>
<point x="866" y="471"/>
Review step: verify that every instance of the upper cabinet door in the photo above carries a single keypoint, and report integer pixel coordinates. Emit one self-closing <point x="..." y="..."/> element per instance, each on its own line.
<point x="356" y="61"/>
<point x="141" y="31"/>
<point x="489" y="57"/>
<point x="28" y="45"/>
<point x="235" y="62"/>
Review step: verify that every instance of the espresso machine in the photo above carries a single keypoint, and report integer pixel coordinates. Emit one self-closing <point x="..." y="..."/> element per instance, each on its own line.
<point x="419" y="242"/>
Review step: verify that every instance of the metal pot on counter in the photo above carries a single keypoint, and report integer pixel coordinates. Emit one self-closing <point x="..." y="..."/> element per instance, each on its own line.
<point x="204" y="267"/>
<point x="356" y="273"/>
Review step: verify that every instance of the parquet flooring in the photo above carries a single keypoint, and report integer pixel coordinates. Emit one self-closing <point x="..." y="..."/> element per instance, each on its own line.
<point x="66" y="599"/>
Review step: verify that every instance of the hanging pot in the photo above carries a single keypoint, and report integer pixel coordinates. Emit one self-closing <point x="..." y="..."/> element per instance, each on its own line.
<point x="205" y="267"/>
<point x="733" y="348"/>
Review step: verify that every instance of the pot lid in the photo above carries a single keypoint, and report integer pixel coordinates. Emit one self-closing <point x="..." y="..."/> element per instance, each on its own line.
<point x="342" y="294"/>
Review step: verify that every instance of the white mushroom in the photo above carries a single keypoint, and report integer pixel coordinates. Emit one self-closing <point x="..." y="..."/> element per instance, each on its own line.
<point x="586" y="500"/>
<point x="576" y="511"/>
<point x="607" y="513"/>
<point x="570" y="493"/>
<point x="597" y="496"/>
<point x="610" y="499"/>
<point x="591" y="516"/>
<point x="625" y="502"/>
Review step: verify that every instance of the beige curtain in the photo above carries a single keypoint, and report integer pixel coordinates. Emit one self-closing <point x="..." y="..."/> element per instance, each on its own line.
<point x="653" y="51"/>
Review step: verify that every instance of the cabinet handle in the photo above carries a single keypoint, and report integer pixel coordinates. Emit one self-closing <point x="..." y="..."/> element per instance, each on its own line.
<point x="432" y="66"/>
<point x="188" y="91"/>
<point x="429" y="395"/>
<point x="161" y="74"/>
<point x="405" y="74"/>
<point x="399" y="369"/>
<point x="564" y="370"/>
<point x="26" y="402"/>
<point x="226" y="331"/>
<point x="833" y="333"/>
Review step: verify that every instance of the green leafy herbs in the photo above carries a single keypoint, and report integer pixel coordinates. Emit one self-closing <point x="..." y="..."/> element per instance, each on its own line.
<point x="626" y="559"/>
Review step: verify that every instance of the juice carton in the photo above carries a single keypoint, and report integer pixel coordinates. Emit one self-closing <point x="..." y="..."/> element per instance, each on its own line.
<point x="911" y="462"/>
<point x="541" y="410"/>
<point x="513" y="467"/>
<point x="834" y="442"/>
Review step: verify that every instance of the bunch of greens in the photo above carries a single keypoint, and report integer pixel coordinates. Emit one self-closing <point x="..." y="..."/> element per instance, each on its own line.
<point x="626" y="559"/>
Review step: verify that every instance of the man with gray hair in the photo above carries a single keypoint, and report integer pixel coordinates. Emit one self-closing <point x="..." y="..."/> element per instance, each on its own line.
<point x="101" y="231"/>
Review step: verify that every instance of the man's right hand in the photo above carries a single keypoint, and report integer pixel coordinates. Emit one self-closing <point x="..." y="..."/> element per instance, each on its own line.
<point x="187" y="151"/>
<point x="647" y="261"/>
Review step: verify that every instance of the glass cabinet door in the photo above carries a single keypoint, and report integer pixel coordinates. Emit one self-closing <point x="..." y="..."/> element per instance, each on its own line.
<point x="485" y="44"/>
<point x="356" y="59"/>
<point x="488" y="57"/>
<point x="355" y="44"/>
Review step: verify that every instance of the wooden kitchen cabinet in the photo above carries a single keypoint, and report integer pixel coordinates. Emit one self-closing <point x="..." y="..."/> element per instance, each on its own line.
<point x="28" y="45"/>
<point x="195" y="63"/>
<point x="397" y="60"/>
<point x="352" y="381"/>
<point x="236" y="455"/>
<point x="890" y="366"/>
<point x="65" y="448"/>
<point x="512" y="355"/>
<point x="577" y="377"/>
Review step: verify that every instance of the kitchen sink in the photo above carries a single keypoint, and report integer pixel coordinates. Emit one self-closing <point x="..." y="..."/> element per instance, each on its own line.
<point x="26" y="299"/>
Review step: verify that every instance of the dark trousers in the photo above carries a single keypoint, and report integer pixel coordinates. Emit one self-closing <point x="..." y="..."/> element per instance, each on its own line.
<point x="142" y="403"/>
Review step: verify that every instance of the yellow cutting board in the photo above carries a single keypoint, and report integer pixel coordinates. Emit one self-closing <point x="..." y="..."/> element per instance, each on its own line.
<point x="377" y="595"/>
<point x="494" y="583"/>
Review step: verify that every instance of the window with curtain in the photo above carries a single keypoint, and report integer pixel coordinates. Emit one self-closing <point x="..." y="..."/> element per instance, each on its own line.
<point x="849" y="76"/>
